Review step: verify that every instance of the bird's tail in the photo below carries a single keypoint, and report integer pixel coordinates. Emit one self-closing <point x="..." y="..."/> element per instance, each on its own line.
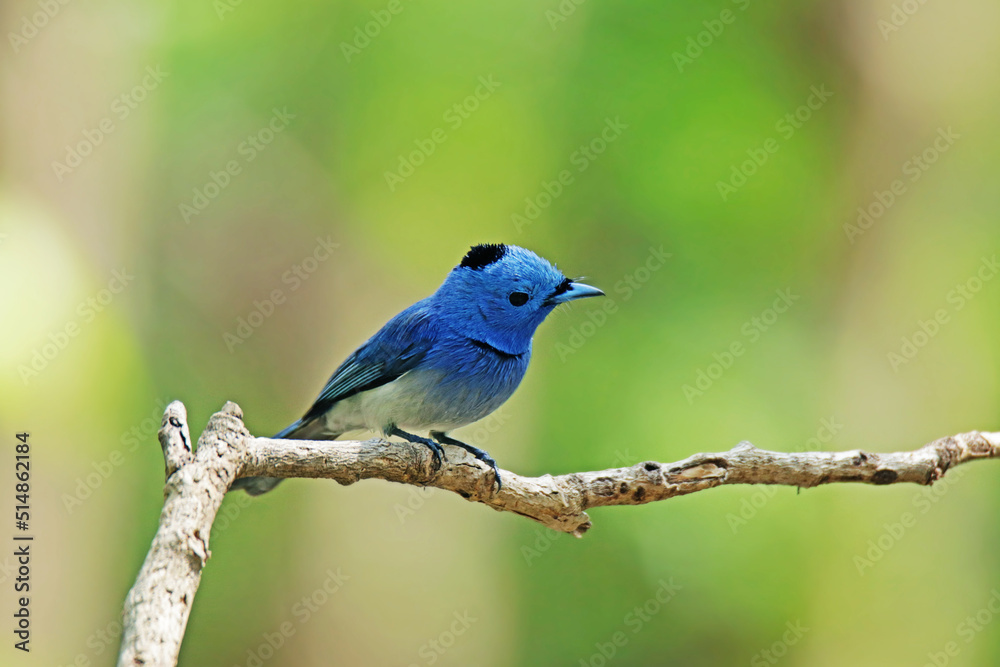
<point x="256" y="486"/>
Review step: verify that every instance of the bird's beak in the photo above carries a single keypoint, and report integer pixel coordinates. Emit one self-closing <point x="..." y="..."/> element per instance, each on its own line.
<point x="575" y="291"/>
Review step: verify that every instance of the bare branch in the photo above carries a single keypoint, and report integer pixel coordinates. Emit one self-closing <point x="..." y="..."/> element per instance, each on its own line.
<point x="560" y="502"/>
<point x="157" y="607"/>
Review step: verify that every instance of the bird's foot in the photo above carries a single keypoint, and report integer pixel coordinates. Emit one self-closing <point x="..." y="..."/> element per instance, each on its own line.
<point x="437" y="451"/>
<point x="475" y="451"/>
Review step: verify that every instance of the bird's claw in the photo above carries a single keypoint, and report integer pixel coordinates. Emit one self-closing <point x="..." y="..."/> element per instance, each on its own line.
<point x="475" y="451"/>
<point x="437" y="453"/>
<point x="496" y="474"/>
<point x="488" y="460"/>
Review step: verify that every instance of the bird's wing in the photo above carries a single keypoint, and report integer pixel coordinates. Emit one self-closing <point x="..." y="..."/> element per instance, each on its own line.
<point x="397" y="348"/>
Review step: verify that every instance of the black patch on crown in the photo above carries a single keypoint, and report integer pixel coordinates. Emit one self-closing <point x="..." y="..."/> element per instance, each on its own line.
<point x="483" y="255"/>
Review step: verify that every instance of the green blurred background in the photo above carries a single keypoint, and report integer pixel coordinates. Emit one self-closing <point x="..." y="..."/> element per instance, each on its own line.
<point x="157" y="100"/>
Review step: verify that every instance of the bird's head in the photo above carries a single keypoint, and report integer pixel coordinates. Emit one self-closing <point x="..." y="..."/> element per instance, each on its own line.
<point x="499" y="294"/>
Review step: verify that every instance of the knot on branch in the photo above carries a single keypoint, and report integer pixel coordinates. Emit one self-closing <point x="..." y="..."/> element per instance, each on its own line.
<point x="979" y="445"/>
<point x="198" y="549"/>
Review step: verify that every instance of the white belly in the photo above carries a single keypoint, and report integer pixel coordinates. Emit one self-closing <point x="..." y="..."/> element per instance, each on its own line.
<point x="402" y="402"/>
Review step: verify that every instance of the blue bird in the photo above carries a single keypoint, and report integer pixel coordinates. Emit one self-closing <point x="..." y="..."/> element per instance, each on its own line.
<point x="446" y="361"/>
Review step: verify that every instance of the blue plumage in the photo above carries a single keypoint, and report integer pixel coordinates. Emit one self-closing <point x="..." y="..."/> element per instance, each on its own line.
<point x="446" y="361"/>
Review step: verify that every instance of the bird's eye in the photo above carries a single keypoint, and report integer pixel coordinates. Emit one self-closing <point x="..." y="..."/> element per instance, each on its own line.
<point x="518" y="298"/>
